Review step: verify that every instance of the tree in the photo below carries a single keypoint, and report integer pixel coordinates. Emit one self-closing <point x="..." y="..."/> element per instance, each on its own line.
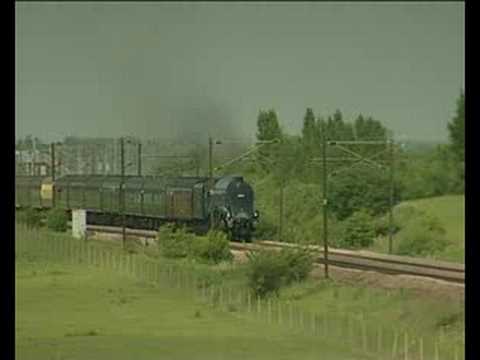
<point x="309" y="132"/>
<point x="360" y="188"/>
<point x="359" y="230"/>
<point x="369" y="129"/>
<point x="456" y="129"/>
<point x="267" y="126"/>
<point x="268" y="129"/>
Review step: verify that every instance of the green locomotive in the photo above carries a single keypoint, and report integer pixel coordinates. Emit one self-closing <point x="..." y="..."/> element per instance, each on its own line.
<point x="149" y="201"/>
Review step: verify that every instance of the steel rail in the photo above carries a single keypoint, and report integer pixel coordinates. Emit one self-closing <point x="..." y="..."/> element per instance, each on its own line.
<point x="387" y="264"/>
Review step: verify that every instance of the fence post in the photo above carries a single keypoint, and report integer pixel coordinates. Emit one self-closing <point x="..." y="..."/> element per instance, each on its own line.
<point x="249" y="301"/>
<point x="405" y="346"/>
<point x="302" y="320"/>
<point x="394" y="347"/>
<point x="420" y="345"/>
<point x="290" y="311"/>
<point x="364" y="334"/>
<point x="279" y="310"/>
<point x="325" y="325"/>
<point x="379" y="339"/>
<point x="269" y="310"/>
<point x="221" y="297"/>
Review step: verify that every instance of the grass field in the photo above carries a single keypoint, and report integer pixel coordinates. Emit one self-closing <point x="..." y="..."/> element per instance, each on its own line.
<point x="451" y="212"/>
<point x="398" y="309"/>
<point x="75" y="312"/>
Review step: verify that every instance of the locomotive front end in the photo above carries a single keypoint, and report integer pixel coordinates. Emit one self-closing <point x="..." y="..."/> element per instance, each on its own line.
<point x="241" y="218"/>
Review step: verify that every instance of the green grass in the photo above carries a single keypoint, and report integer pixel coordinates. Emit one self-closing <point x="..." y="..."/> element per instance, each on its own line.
<point x="450" y="210"/>
<point x="398" y="309"/>
<point x="73" y="312"/>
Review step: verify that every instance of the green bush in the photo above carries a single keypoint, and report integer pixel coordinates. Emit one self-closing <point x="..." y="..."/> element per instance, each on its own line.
<point x="214" y="248"/>
<point x="299" y="264"/>
<point x="57" y="220"/>
<point x="174" y="242"/>
<point x="358" y="230"/>
<point x="265" y="229"/>
<point x="268" y="271"/>
<point x="30" y="217"/>
<point x="422" y="235"/>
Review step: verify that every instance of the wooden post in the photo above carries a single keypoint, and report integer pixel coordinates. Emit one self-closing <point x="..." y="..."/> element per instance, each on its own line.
<point x="325" y="325"/>
<point x="269" y="310"/>
<point x="279" y="310"/>
<point x="364" y="334"/>
<point x="379" y="339"/>
<point x="291" y="314"/>
<point x="302" y="324"/>
<point x="350" y="330"/>
<point x="437" y="357"/>
<point x="420" y="344"/>
<point x="394" y="347"/>
<point x="405" y="346"/>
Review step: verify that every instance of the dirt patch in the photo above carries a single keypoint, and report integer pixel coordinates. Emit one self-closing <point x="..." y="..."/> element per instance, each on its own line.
<point x="420" y="285"/>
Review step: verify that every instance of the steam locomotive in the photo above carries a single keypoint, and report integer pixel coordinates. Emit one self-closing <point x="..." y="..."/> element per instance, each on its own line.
<point x="149" y="201"/>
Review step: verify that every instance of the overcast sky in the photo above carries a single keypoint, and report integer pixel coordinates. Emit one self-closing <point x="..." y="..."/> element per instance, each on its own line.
<point x="187" y="69"/>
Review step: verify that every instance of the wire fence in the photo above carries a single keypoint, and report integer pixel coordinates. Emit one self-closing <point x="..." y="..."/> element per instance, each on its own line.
<point x="352" y="329"/>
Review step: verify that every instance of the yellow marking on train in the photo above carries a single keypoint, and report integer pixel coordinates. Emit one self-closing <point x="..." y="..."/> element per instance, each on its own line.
<point x="46" y="191"/>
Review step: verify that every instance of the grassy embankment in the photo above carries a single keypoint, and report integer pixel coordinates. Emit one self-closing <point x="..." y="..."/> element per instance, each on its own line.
<point x="76" y="312"/>
<point x="450" y="211"/>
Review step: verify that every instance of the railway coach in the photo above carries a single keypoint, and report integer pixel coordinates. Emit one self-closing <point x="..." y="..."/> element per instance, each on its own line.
<point x="150" y="201"/>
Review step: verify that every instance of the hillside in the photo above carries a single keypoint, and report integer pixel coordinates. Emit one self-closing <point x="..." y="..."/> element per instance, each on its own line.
<point x="449" y="213"/>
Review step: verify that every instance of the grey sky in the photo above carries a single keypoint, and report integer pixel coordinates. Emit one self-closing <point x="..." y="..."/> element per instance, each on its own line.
<point x="183" y="69"/>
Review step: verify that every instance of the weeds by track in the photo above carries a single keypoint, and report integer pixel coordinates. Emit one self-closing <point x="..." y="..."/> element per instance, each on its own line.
<point x="362" y="260"/>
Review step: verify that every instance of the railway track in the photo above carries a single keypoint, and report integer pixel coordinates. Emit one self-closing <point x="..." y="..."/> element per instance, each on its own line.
<point x="361" y="260"/>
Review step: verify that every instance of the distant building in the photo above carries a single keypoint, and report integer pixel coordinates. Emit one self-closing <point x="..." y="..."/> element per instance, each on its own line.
<point x="32" y="162"/>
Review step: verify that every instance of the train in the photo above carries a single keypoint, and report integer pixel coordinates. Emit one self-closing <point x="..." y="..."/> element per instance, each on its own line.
<point x="149" y="201"/>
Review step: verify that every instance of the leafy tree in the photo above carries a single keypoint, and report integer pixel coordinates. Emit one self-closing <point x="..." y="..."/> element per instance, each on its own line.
<point x="428" y="173"/>
<point x="309" y="132"/>
<point x="359" y="230"/>
<point x="268" y="129"/>
<point x="369" y="129"/>
<point x="360" y="188"/>
<point x="456" y="129"/>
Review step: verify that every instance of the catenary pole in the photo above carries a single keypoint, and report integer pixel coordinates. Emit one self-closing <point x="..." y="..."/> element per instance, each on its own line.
<point x="324" y="183"/>
<point x="122" y="189"/>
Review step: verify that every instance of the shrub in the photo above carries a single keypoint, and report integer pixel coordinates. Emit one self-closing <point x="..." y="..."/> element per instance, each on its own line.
<point x="423" y="235"/>
<point x="214" y="248"/>
<point x="299" y="264"/>
<point x="358" y="230"/>
<point x="174" y="242"/>
<point x="31" y="217"/>
<point x="265" y="229"/>
<point x="57" y="220"/>
<point x="268" y="271"/>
